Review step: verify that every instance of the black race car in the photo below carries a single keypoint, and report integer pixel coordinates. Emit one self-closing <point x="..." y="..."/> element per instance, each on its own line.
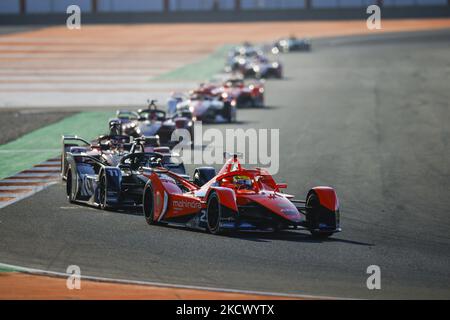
<point x="263" y="68"/>
<point x="108" y="149"/>
<point x="93" y="181"/>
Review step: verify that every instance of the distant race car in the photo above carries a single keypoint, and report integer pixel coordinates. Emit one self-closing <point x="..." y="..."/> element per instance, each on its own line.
<point x="245" y="50"/>
<point x="95" y="182"/>
<point x="152" y="122"/>
<point x="207" y="106"/>
<point x="235" y="199"/>
<point x="262" y="68"/>
<point x="291" y="44"/>
<point x="240" y="56"/>
<point x="251" y="62"/>
<point x="241" y="94"/>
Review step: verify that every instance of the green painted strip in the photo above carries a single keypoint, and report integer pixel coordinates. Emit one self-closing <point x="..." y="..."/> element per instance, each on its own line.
<point x="44" y="143"/>
<point x="7" y="269"/>
<point x="201" y="70"/>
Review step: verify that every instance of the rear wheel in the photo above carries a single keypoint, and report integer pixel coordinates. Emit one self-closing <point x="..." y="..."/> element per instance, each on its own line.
<point x="70" y="187"/>
<point x="313" y="206"/>
<point x="102" y="191"/>
<point x="229" y="112"/>
<point x="213" y="214"/>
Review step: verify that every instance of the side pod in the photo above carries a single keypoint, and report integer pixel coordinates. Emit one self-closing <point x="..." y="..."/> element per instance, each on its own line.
<point x="113" y="184"/>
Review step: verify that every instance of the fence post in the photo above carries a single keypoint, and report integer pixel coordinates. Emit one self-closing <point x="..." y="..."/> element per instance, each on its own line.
<point x="237" y="5"/>
<point x="166" y="6"/>
<point x="308" y="4"/>
<point x="94" y="6"/>
<point x="23" y="6"/>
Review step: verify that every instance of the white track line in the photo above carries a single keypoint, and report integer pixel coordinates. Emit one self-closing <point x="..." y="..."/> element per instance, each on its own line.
<point x="27" y="150"/>
<point x="37" y="169"/>
<point x="4" y="204"/>
<point x="165" y="285"/>
<point x="12" y="188"/>
<point x="37" y="174"/>
<point x="12" y="180"/>
<point x="21" y="196"/>
<point x="15" y="195"/>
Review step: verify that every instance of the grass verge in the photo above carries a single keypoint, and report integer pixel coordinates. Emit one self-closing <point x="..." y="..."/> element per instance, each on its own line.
<point x="201" y="70"/>
<point x="44" y="143"/>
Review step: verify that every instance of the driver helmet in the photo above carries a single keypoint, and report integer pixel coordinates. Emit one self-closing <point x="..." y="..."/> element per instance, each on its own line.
<point x="114" y="128"/>
<point x="152" y="115"/>
<point x="241" y="180"/>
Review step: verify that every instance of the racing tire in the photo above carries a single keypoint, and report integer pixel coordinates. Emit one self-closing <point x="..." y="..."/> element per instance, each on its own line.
<point x="63" y="167"/>
<point x="69" y="187"/>
<point x="258" y="103"/>
<point x="213" y="214"/>
<point x="102" y="190"/>
<point x="147" y="205"/>
<point x="312" y="205"/>
<point x="229" y="114"/>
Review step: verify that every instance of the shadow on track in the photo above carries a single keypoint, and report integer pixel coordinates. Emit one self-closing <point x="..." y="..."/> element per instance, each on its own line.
<point x="238" y="122"/>
<point x="294" y="236"/>
<point x="267" y="236"/>
<point x="255" y="236"/>
<point x="267" y="108"/>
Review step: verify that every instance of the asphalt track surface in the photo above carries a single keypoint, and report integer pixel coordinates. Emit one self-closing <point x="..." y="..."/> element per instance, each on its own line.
<point x="368" y="117"/>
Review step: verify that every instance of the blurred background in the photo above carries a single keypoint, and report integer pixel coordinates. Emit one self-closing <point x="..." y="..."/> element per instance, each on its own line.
<point x="325" y="8"/>
<point x="52" y="6"/>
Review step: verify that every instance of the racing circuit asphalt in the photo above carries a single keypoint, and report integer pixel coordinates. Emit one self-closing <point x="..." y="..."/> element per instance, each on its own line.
<point x="368" y="116"/>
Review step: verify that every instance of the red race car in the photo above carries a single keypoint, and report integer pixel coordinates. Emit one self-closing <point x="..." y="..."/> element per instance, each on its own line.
<point x="236" y="199"/>
<point x="241" y="94"/>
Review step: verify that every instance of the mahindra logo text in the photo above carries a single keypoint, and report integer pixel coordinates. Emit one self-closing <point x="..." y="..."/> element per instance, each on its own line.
<point x="186" y="204"/>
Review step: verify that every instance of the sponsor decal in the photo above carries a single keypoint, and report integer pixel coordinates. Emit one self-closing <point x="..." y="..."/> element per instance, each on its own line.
<point x="186" y="204"/>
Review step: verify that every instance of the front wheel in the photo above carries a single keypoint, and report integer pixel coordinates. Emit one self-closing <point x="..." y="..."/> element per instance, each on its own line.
<point x="147" y="205"/>
<point x="70" y="187"/>
<point x="213" y="214"/>
<point x="229" y="113"/>
<point x="313" y="207"/>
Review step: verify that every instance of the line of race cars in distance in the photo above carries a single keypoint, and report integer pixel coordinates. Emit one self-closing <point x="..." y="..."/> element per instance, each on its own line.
<point x="251" y="61"/>
<point x="212" y="102"/>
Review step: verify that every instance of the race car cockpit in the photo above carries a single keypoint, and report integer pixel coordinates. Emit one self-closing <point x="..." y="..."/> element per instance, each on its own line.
<point x="243" y="182"/>
<point x="152" y="112"/>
